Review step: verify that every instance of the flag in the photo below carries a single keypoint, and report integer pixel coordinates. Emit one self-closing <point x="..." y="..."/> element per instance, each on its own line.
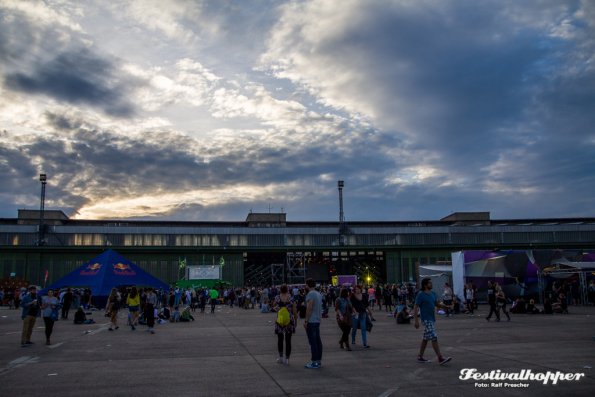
<point x="182" y="263"/>
<point x="45" y="280"/>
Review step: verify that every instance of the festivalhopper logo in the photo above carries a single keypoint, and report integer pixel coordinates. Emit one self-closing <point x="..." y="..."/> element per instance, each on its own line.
<point x="498" y="378"/>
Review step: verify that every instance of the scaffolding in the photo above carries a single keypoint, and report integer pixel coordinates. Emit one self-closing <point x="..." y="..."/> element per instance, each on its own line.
<point x="277" y="273"/>
<point x="296" y="268"/>
<point x="582" y="276"/>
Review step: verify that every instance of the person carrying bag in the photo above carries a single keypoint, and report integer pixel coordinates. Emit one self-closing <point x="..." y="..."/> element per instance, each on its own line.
<point x="343" y="310"/>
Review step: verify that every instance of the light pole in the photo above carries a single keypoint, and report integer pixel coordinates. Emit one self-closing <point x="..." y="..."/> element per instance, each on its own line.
<point x="43" y="180"/>
<point x="340" y="185"/>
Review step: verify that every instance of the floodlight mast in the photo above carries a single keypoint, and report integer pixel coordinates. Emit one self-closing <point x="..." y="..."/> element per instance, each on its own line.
<point x="340" y="185"/>
<point x="43" y="180"/>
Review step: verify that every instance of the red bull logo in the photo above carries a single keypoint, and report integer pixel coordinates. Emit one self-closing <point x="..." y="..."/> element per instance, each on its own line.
<point x="122" y="267"/>
<point x="123" y="270"/>
<point x="91" y="269"/>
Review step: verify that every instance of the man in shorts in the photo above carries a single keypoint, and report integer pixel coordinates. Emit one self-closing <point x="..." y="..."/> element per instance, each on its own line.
<point x="425" y="303"/>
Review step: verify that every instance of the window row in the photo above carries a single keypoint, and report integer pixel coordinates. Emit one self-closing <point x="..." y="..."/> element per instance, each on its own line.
<point x="297" y="240"/>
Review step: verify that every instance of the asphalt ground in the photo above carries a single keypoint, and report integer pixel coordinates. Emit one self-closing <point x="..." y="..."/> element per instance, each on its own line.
<point x="233" y="353"/>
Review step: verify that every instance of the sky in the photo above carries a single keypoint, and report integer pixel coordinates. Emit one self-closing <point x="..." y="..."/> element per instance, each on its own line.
<point x="208" y="110"/>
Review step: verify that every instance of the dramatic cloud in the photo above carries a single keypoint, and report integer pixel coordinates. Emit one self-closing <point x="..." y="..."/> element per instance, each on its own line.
<point x="206" y="110"/>
<point x="77" y="78"/>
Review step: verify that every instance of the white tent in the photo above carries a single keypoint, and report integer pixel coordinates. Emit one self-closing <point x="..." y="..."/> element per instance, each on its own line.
<point x="458" y="273"/>
<point x="439" y="274"/>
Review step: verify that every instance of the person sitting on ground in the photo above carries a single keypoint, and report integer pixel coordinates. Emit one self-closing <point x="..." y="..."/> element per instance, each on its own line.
<point x="164" y="314"/>
<point x="264" y="307"/>
<point x="456" y="304"/>
<point x="186" y="316"/>
<point x="531" y="308"/>
<point x="518" y="306"/>
<point x="403" y="315"/>
<point x="398" y="308"/>
<point x="175" y="316"/>
<point x="561" y="306"/>
<point x="547" y="307"/>
<point x="81" y="318"/>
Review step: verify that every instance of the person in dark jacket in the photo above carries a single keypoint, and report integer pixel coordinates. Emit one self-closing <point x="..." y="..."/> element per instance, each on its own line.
<point x="31" y="310"/>
<point x="66" y="303"/>
<point x="492" y="302"/>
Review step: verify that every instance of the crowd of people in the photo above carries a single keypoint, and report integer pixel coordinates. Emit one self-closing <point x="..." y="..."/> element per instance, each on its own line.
<point x="70" y="298"/>
<point x="354" y="308"/>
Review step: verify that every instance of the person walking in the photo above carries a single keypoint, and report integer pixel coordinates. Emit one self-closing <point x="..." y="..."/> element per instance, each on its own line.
<point x="359" y="304"/>
<point x="133" y="303"/>
<point x="67" y="300"/>
<point x="469" y="296"/>
<point x="378" y="293"/>
<point x="388" y="298"/>
<point x="492" y="302"/>
<point x="49" y="307"/>
<point x="213" y="294"/>
<point x="202" y="299"/>
<point x="150" y="305"/>
<point x="113" y="305"/>
<point x="425" y="303"/>
<point x="343" y="309"/>
<point x="501" y="301"/>
<point x="371" y="296"/>
<point x="30" y="313"/>
<point x="284" y="331"/>
<point x="312" y="324"/>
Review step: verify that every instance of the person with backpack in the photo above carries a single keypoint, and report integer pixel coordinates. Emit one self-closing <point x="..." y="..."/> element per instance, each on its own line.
<point x="285" y="323"/>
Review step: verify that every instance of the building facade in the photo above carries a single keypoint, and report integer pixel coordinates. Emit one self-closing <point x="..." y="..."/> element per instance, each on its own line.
<point x="266" y="248"/>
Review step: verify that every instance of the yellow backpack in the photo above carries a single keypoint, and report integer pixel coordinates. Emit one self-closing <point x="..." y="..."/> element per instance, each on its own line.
<point x="283" y="317"/>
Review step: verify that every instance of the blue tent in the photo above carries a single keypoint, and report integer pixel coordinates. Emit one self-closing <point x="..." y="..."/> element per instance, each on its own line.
<point x="106" y="271"/>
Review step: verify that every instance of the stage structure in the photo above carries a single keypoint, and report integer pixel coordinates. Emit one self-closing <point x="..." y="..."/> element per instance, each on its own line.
<point x="277" y="273"/>
<point x="524" y="273"/>
<point x="296" y="268"/>
<point x="293" y="271"/>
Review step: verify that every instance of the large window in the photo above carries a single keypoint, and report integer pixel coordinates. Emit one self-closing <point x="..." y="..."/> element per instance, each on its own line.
<point x="206" y="240"/>
<point x="88" y="239"/>
<point x="238" y="240"/>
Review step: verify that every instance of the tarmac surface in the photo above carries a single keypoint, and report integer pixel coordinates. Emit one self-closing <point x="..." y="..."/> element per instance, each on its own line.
<point x="233" y="353"/>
